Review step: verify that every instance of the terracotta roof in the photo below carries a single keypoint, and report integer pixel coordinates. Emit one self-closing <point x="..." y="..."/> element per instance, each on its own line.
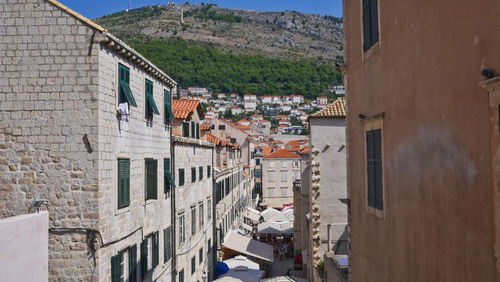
<point x="266" y="150"/>
<point x="216" y="140"/>
<point x="242" y="127"/>
<point x="282" y="154"/>
<point x="335" y="109"/>
<point x="183" y="109"/>
<point x="205" y="127"/>
<point x="305" y="150"/>
<point x="296" y="143"/>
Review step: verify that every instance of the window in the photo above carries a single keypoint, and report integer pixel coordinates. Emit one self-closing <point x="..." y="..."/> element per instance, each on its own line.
<point x="270" y="191"/>
<point x="295" y="164"/>
<point x="218" y="192"/>
<point x="123" y="265"/>
<point x="370" y="23"/>
<point x="181" y="276"/>
<point x="197" y="131"/>
<point x="233" y="140"/>
<point x="271" y="164"/>
<point x="193" y="220"/>
<point x="167" y="101"/>
<point x="155" y="252"/>
<point x="283" y="164"/>
<point x="209" y="213"/>
<point x="257" y="161"/>
<point x="202" y="215"/>
<point x="200" y="256"/>
<point x="149" y="244"/>
<point x="209" y="171"/>
<point x="185" y="129"/>
<point x="182" y="229"/>
<point x="374" y="168"/>
<point x="151" y="107"/>
<point x="200" y="170"/>
<point x="270" y="176"/>
<point x="124" y="92"/>
<point x="167" y="244"/>
<point x="222" y="127"/>
<point x="209" y="245"/>
<point x="123" y="183"/>
<point x="168" y="181"/>
<point x="193" y="174"/>
<point x="257" y="173"/>
<point x="181" y="177"/>
<point x="151" y="179"/>
<point x="297" y="175"/>
<point x="193" y="264"/>
<point x="193" y="129"/>
<point x="284" y="191"/>
<point x="226" y="184"/>
<point x="283" y="176"/>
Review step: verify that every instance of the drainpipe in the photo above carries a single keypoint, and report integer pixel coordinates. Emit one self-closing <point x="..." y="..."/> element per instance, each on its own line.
<point x="173" y="208"/>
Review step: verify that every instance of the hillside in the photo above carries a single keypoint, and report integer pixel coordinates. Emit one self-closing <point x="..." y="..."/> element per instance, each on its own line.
<point x="206" y="50"/>
<point x="270" y="34"/>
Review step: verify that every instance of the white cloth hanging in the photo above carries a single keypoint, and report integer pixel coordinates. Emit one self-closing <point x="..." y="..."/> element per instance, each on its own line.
<point x="123" y="112"/>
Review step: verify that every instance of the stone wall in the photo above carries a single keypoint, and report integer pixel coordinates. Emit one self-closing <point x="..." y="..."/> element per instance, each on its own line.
<point x="188" y="155"/>
<point x="47" y="106"/>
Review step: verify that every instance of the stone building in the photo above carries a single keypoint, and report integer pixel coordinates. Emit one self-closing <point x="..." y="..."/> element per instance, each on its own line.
<point x="193" y="165"/>
<point x="279" y="170"/>
<point x="423" y="140"/>
<point x="101" y="172"/>
<point x="328" y="185"/>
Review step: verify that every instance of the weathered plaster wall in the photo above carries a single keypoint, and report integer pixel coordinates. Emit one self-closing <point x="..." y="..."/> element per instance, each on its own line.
<point x="424" y="75"/>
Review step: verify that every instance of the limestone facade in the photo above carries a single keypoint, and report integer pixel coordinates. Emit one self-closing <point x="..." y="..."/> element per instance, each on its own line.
<point x="60" y="138"/>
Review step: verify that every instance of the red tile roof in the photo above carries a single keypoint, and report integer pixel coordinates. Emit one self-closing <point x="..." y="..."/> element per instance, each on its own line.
<point x="183" y="109"/>
<point x="266" y="150"/>
<point x="282" y="154"/>
<point x="305" y="150"/>
<point x="296" y="143"/>
<point x="205" y="127"/>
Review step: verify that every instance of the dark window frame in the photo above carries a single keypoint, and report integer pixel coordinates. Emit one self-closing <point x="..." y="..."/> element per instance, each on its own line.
<point x="374" y="169"/>
<point x="370" y="23"/>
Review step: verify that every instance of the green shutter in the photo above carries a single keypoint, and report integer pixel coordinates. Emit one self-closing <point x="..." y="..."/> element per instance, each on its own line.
<point x="197" y="131"/>
<point x="366" y="25"/>
<point x="169" y="114"/>
<point x="123" y="183"/>
<point x="379" y="199"/>
<point x="151" y="179"/>
<point x="193" y="264"/>
<point x="181" y="177"/>
<point x="151" y="107"/>
<point x="200" y="256"/>
<point x="166" y="177"/>
<point x="209" y="173"/>
<point x="217" y="193"/>
<point x="193" y="174"/>
<point x="167" y="244"/>
<point x="200" y="172"/>
<point x="373" y="22"/>
<point x="193" y="221"/>
<point x="144" y="257"/>
<point x="115" y="268"/>
<point x="192" y="130"/>
<point x="181" y="276"/>
<point x="155" y="249"/>
<point x="124" y="92"/>
<point x="132" y="263"/>
<point x="185" y="129"/>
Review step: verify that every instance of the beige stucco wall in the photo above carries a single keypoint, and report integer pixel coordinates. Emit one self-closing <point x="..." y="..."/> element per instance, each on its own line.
<point x="24" y="247"/>
<point x="273" y="189"/>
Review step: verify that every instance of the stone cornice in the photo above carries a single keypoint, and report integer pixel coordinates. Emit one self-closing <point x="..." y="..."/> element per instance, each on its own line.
<point x="191" y="141"/>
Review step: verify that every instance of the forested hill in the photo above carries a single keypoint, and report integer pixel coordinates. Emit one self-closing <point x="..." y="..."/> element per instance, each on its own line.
<point x="236" y="51"/>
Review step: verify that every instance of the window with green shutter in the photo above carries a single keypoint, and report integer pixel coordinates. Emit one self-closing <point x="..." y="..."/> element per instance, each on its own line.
<point x="168" y="113"/>
<point x="193" y="174"/>
<point x="193" y="264"/>
<point x="151" y="107"/>
<point x="226" y="184"/>
<point x="370" y="23"/>
<point x="123" y="183"/>
<point x="197" y="131"/>
<point x="209" y="171"/>
<point x="374" y="168"/>
<point x="182" y="228"/>
<point x="132" y="263"/>
<point x="115" y="268"/>
<point x="218" y="195"/>
<point x="181" y="276"/>
<point x="200" y="256"/>
<point x="181" y="177"/>
<point x="168" y="180"/>
<point x="192" y="130"/>
<point x="167" y="244"/>
<point x="200" y="171"/>
<point x="124" y="92"/>
<point x="155" y="254"/>
<point x="144" y="257"/>
<point x="193" y="221"/>
<point x="151" y="179"/>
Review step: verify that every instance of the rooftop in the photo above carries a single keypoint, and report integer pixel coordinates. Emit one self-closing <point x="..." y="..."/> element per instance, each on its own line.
<point x="183" y="109"/>
<point x="282" y="154"/>
<point x="335" y="109"/>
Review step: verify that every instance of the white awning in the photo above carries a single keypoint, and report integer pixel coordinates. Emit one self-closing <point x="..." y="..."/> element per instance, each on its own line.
<point x="248" y="246"/>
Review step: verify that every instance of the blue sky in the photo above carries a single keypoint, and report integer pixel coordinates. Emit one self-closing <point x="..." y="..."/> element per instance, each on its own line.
<point x="97" y="8"/>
